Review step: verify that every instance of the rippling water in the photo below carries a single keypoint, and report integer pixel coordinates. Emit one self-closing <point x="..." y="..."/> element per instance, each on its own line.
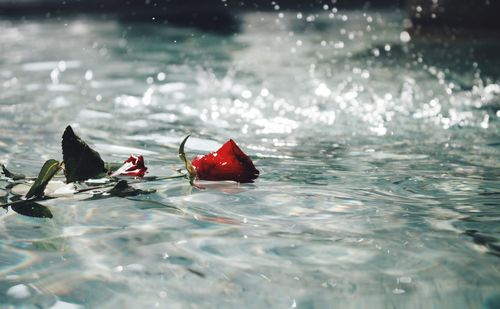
<point x="378" y="152"/>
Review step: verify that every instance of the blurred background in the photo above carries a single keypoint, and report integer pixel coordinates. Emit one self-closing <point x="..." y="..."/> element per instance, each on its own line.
<point x="221" y="14"/>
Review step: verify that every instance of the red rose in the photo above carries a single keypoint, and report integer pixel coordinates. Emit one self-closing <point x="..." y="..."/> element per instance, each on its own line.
<point x="133" y="166"/>
<point x="227" y="163"/>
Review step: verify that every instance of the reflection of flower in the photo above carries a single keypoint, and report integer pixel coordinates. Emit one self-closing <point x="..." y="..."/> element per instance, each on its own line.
<point x="133" y="166"/>
<point x="227" y="163"/>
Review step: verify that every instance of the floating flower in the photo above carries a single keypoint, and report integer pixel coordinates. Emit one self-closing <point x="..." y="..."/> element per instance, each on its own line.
<point x="133" y="166"/>
<point x="227" y="163"/>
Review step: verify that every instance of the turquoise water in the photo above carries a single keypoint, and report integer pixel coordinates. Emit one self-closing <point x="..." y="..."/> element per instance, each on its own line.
<point x="378" y="151"/>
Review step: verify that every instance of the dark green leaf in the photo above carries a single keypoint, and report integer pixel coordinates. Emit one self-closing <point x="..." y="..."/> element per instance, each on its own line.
<point x="49" y="169"/>
<point x="11" y="175"/>
<point x="81" y="162"/>
<point x="32" y="209"/>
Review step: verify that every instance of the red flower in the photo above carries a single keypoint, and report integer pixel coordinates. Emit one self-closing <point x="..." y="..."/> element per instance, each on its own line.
<point x="227" y="163"/>
<point x="133" y="166"/>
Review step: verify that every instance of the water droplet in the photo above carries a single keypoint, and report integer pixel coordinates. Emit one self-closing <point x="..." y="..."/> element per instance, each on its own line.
<point x="322" y="91"/>
<point x="484" y="123"/>
<point x="404" y="36"/>
<point x="339" y="45"/>
<point x="246" y="94"/>
<point x="54" y="76"/>
<point x="89" y="75"/>
<point x="61" y="66"/>
<point x="161" y="76"/>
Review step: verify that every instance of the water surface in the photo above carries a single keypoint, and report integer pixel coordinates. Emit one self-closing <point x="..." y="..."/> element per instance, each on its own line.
<point x="378" y="152"/>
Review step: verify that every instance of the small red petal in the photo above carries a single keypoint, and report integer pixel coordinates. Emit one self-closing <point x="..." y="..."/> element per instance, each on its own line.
<point x="133" y="166"/>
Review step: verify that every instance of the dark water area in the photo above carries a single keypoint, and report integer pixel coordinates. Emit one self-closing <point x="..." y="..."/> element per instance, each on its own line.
<point x="378" y="150"/>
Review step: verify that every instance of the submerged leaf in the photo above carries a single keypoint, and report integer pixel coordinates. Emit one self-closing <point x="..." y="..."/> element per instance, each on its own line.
<point x="49" y="169"/>
<point x="32" y="209"/>
<point x="81" y="162"/>
<point x="11" y="175"/>
<point x="123" y="189"/>
<point x="120" y="186"/>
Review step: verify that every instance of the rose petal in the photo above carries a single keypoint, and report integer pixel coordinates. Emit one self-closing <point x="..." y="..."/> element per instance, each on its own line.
<point x="227" y="163"/>
<point x="133" y="166"/>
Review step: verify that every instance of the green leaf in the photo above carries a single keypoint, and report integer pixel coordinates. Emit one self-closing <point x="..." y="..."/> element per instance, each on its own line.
<point x="11" y="175"/>
<point x="49" y="169"/>
<point x="32" y="209"/>
<point x="80" y="161"/>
